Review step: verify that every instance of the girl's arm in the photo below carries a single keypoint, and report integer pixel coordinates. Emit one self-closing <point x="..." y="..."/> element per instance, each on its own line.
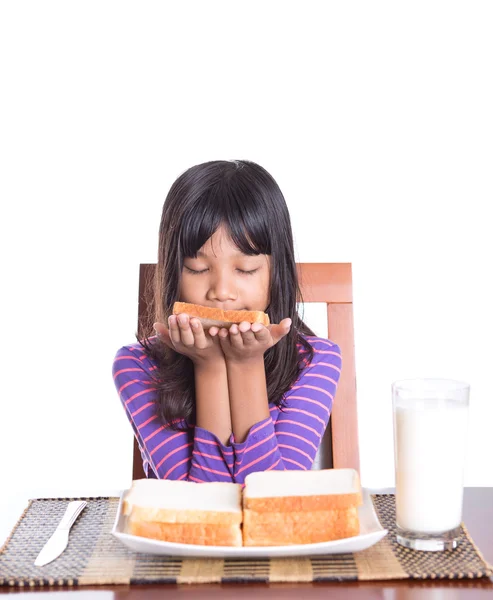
<point x="244" y="346"/>
<point x="247" y="396"/>
<point x="193" y="455"/>
<point x="292" y="440"/>
<point x="212" y="399"/>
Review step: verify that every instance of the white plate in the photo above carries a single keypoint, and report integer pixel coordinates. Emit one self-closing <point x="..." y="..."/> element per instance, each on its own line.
<point x="371" y="532"/>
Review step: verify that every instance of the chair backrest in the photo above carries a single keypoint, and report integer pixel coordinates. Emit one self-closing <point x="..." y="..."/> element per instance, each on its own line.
<point x="330" y="283"/>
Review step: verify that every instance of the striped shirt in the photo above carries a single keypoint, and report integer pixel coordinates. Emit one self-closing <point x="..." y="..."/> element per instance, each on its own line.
<point x="287" y="440"/>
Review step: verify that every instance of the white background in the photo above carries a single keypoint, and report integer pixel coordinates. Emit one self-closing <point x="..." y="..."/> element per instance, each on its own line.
<point x="374" y="117"/>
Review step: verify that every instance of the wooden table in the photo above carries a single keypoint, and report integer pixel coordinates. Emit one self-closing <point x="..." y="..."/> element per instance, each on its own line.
<point x="478" y="517"/>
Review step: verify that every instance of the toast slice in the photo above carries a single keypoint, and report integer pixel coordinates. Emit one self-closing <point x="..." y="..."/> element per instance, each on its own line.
<point x="188" y="533"/>
<point x="185" y="512"/>
<point x="298" y="527"/>
<point x="216" y="317"/>
<point x="300" y="507"/>
<point x="285" y="491"/>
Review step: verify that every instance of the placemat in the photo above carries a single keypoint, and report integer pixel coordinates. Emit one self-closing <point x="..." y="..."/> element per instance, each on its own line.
<point x="95" y="557"/>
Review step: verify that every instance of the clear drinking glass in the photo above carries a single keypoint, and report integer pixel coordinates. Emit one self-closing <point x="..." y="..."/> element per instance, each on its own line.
<point x="430" y="434"/>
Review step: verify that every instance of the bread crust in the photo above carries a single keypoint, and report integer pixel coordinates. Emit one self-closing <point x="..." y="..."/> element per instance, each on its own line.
<point x="298" y="527"/>
<point x="220" y="318"/>
<point x="188" y="533"/>
<point x="302" y="503"/>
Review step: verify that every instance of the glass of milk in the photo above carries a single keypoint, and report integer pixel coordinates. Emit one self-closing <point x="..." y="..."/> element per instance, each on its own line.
<point x="430" y="432"/>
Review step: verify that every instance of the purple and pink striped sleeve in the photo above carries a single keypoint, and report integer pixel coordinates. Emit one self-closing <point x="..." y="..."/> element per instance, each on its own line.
<point x="290" y="438"/>
<point x="193" y="455"/>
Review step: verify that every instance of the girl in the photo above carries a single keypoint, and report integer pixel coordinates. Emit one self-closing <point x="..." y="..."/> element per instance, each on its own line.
<point x="217" y="405"/>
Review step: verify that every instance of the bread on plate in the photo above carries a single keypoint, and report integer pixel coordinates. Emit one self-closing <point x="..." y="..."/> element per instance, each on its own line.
<point x="300" y="507"/>
<point x="275" y="508"/>
<point x="185" y="512"/>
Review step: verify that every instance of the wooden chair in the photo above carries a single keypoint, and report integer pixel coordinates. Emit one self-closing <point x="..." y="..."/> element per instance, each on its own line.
<point x="319" y="282"/>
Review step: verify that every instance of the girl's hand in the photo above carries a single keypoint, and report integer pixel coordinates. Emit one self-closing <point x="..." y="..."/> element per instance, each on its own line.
<point x="187" y="336"/>
<point x="248" y="342"/>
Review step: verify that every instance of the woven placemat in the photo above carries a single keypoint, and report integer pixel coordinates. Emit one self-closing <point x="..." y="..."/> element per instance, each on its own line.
<point x="95" y="557"/>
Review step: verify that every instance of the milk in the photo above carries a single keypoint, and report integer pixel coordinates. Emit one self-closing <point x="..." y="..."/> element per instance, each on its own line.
<point x="430" y="439"/>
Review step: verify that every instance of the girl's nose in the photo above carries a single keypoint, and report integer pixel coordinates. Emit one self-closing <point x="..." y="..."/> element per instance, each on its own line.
<point x="223" y="288"/>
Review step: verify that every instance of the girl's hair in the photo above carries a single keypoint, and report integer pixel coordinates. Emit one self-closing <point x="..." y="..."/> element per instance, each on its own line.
<point x="244" y="198"/>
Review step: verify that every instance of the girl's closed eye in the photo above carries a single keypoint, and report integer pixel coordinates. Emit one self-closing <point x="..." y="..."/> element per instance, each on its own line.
<point x="194" y="272"/>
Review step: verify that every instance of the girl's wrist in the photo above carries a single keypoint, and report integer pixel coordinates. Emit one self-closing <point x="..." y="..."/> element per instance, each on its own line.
<point x="211" y="364"/>
<point x="246" y="363"/>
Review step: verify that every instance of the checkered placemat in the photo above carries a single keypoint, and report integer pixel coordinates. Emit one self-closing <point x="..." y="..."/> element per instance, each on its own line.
<point x="95" y="557"/>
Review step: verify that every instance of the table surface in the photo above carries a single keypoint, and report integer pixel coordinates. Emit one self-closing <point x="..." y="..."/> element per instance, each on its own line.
<point x="478" y="518"/>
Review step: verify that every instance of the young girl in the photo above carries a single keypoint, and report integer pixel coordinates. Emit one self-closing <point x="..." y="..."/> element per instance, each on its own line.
<point x="217" y="405"/>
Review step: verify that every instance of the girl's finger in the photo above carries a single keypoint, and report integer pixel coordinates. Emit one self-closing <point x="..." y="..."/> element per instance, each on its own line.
<point x="198" y="333"/>
<point x="224" y="338"/>
<point x="247" y="333"/>
<point x="185" y="330"/>
<point x="235" y="337"/>
<point x="163" y="334"/>
<point x="279" y="331"/>
<point x="213" y="331"/>
<point x="244" y="326"/>
<point x="174" y="331"/>
<point x="159" y="328"/>
<point x="261" y="332"/>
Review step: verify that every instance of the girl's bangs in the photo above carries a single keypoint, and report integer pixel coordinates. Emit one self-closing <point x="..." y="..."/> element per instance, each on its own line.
<point x="248" y="229"/>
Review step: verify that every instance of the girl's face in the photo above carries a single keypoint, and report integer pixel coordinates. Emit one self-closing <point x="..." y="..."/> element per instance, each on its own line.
<point x="223" y="277"/>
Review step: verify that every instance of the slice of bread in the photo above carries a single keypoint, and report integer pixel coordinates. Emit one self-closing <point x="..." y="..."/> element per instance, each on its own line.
<point x="284" y="491"/>
<point x="300" y="507"/>
<point x="185" y="512"/>
<point x="188" y="533"/>
<point x="217" y="317"/>
<point x="298" y="527"/>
